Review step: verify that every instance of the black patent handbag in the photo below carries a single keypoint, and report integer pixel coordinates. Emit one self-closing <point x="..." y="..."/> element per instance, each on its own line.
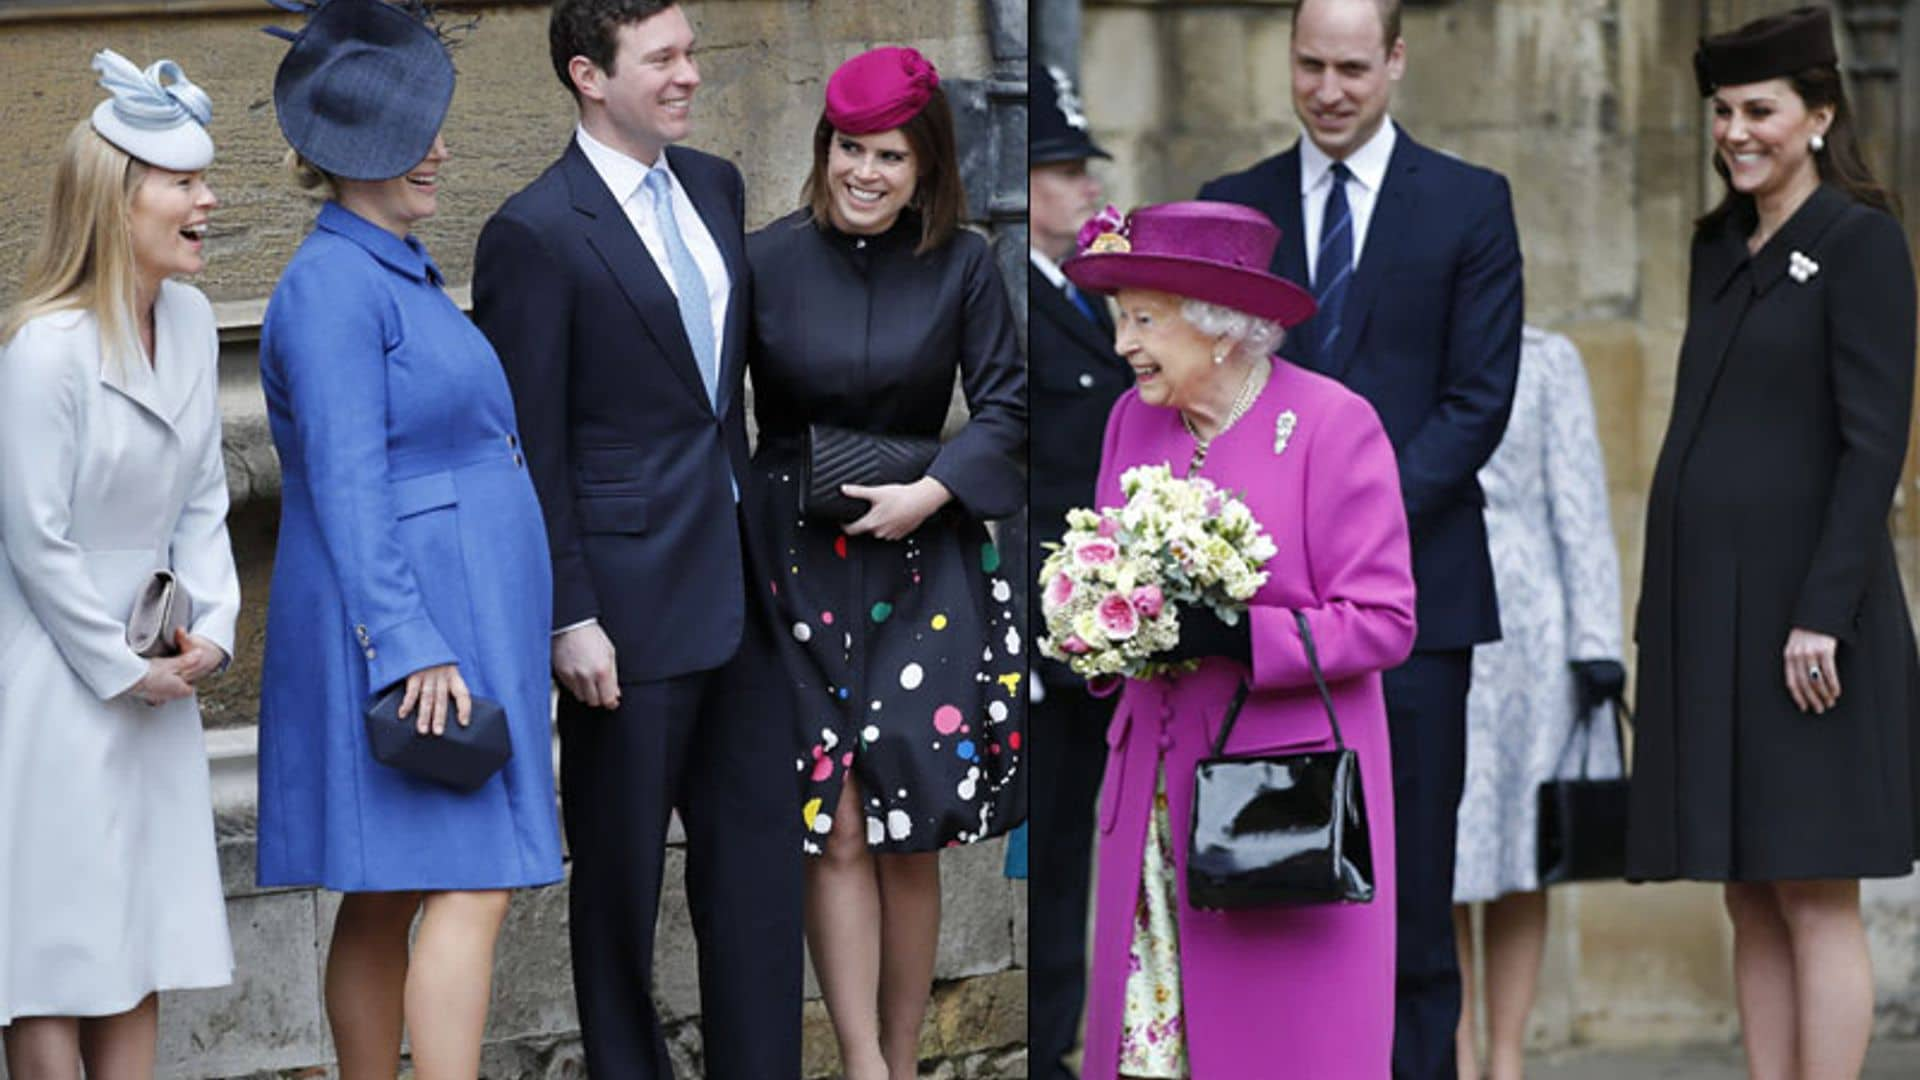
<point x="1581" y="830"/>
<point x="1288" y="828"/>
<point x="834" y="456"/>
<point x="463" y="757"/>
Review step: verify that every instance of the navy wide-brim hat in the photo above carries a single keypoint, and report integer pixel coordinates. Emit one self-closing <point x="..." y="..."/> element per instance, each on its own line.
<point x="364" y="89"/>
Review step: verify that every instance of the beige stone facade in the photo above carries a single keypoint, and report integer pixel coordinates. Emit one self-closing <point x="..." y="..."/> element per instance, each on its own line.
<point x="1589" y="108"/>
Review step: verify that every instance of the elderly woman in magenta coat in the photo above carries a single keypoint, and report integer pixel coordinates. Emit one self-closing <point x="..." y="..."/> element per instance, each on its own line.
<point x="1174" y="991"/>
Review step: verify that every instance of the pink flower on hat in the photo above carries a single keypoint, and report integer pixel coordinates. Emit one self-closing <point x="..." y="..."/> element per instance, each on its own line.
<point x="1107" y="222"/>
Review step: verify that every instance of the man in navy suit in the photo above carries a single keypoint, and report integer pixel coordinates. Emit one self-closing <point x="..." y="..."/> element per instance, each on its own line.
<point x="615" y="289"/>
<point x="1074" y="377"/>
<point x="1413" y="258"/>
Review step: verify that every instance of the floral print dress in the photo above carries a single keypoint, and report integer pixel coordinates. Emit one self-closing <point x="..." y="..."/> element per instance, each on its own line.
<point x="1153" y="1036"/>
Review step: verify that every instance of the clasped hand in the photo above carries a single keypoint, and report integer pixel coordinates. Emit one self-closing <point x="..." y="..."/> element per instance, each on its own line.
<point x="897" y="509"/>
<point x="170" y="678"/>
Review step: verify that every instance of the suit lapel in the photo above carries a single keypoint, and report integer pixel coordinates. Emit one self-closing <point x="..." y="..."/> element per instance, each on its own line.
<point x="1395" y="213"/>
<point x="1051" y="303"/>
<point x="1290" y="259"/>
<point x="163" y="387"/>
<point x="712" y="205"/>
<point x="611" y="236"/>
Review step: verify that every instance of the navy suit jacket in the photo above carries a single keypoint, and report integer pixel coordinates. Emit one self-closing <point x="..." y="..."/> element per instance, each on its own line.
<point x="630" y="458"/>
<point x="1431" y="337"/>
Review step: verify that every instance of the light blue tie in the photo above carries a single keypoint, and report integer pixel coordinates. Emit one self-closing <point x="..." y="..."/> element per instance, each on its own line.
<point x="696" y="314"/>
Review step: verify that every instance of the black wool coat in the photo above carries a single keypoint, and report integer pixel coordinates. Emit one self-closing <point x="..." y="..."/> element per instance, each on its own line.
<point x="1769" y="511"/>
<point x="1075" y="377"/>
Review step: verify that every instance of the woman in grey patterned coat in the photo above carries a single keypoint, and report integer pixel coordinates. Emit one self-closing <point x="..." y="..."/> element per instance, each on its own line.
<point x="1558" y="579"/>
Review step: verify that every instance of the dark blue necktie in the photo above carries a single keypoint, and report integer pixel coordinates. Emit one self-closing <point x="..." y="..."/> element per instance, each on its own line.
<point x="1080" y="301"/>
<point x="1333" y="270"/>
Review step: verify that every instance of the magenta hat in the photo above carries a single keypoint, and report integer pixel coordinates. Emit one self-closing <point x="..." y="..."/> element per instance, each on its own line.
<point x="1213" y="251"/>
<point x="879" y="90"/>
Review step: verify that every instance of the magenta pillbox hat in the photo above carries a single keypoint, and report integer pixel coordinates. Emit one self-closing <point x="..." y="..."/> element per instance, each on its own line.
<point x="879" y="90"/>
<point x="1213" y="251"/>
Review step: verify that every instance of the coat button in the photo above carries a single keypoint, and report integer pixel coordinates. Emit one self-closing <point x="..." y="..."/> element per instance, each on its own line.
<point x="1166" y="741"/>
<point x="513" y="440"/>
<point x="1086" y="381"/>
<point x="371" y="654"/>
<point x="1166" y="712"/>
<point x="518" y="461"/>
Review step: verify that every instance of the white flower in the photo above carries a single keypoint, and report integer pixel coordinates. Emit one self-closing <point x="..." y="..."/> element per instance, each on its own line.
<point x="1800" y="267"/>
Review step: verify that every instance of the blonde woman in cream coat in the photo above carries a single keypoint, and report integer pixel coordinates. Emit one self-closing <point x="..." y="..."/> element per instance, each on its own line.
<point x="110" y="469"/>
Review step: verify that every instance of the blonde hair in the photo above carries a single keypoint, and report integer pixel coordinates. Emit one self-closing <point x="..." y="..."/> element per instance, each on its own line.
<point x="310" y="178"/>
<point x="84" y="261"/>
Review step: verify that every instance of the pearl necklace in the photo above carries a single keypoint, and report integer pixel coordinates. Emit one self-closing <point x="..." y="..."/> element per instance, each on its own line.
<point x="1242" y="401"/>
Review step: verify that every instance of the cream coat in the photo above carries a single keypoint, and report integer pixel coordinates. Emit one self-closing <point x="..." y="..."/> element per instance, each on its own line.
<point x="109" y="884"/>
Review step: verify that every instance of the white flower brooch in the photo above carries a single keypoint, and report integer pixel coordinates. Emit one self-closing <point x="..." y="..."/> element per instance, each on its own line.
<point x="1283" y="430"/>
<point x="1800" y="267"/>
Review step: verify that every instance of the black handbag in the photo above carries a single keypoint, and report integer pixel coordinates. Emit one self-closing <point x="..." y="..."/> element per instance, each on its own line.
<point x="461" y="757"/>
<point x="834" y="456"/>
<point x="1287" y="828"/>
<point x="1582" y="825"/>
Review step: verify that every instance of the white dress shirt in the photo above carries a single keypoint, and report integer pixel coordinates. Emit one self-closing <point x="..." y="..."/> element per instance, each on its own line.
<point x="624" y="176"/>
<point x="1368" y="166"/>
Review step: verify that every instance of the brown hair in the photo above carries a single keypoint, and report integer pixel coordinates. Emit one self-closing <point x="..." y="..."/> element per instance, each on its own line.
<point x="1840" y="164"/>
<point x="311" y="178"/>
<point x="938" y="194"/>
<point x="1389" y="20"/>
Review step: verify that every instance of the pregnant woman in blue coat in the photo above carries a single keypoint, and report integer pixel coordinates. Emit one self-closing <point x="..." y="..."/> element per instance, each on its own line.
<point x="411" y="551"/>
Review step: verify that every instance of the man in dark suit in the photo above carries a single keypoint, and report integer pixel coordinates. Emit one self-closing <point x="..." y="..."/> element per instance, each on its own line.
<point x="1074" y="377"/>
<point x="614" y="288"/>
<point x="1413" y="258"/>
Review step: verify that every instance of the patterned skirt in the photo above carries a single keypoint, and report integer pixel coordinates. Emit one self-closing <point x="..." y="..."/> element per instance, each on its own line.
<point x="1153" y="1038"/>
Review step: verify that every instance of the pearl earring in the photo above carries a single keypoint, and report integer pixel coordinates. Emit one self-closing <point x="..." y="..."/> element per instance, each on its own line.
<point x="1219" y="358"/>
<point x="1818" y="142"/>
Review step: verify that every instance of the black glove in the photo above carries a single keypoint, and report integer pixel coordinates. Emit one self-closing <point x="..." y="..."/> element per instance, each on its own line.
<point x="1202" y="634"/>
<point x="1598" y="681"/>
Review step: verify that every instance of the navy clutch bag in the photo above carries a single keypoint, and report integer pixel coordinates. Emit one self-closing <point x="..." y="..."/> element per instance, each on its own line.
<point x="462" y="758"/>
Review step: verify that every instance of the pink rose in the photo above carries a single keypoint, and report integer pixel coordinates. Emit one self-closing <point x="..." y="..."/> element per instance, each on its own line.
<point x="1148" y="599"/>
<point x="1108" y="526"/>
<point x="1117" y="617"/>
<point x="1059" y="591"/>
<point x="1075" y="646"/>
<point x="1100" y="552"/>
<point x="1108" y="220"/>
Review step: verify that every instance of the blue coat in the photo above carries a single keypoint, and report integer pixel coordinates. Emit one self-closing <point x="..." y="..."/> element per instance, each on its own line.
<point x="410" y="536"/>
<point x="1430" y="336"/>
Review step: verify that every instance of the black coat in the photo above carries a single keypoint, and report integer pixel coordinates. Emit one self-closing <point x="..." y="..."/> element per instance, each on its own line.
<point x="1768" y="512"/>
<point x="1075" y="377"/>
<point x="906" y="657"/>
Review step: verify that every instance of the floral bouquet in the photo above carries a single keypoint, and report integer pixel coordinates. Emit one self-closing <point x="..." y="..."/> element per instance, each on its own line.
<point x="1114" y="586"/>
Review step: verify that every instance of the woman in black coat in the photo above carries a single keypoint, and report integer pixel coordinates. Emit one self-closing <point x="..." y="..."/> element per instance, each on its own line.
<point x="1776" y="745"/>
<point x="897" y="627"/>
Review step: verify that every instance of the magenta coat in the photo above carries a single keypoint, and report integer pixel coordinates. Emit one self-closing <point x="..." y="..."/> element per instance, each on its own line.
<point x="1305" y="991"/>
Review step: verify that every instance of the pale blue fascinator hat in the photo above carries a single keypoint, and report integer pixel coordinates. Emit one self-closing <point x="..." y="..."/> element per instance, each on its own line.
<point x="158" y="115"/>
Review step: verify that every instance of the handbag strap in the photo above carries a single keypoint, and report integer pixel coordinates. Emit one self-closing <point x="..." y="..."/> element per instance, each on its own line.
<point x="1583" y="728"/>
<point x="1319" y="680"/>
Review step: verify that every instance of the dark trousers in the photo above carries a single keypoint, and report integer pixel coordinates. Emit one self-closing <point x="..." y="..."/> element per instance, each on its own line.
<point x="1427" y="720"/>
<point x="718" y="746"/>
<point x="1067" y="756"/>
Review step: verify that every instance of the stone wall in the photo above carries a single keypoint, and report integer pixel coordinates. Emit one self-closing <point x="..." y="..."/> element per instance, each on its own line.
<point x="763" y="63"/>
<point x="1589" y="108"/>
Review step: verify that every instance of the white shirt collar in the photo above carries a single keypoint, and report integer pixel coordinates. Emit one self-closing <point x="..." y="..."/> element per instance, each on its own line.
<point x="622" y="174"/>
<point x="1047" y="267"/>
<point x="1368" y="163"/>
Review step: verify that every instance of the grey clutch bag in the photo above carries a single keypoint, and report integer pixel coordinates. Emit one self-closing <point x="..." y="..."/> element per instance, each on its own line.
<point x="162" y="608"/>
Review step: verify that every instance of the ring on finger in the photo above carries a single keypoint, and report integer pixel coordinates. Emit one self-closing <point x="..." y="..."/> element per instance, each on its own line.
<point x="1814" y="673"/>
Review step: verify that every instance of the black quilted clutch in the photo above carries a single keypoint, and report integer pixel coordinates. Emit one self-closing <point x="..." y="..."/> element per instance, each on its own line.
<point x="834" y="456"/>
<point x="462" y="758"/>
